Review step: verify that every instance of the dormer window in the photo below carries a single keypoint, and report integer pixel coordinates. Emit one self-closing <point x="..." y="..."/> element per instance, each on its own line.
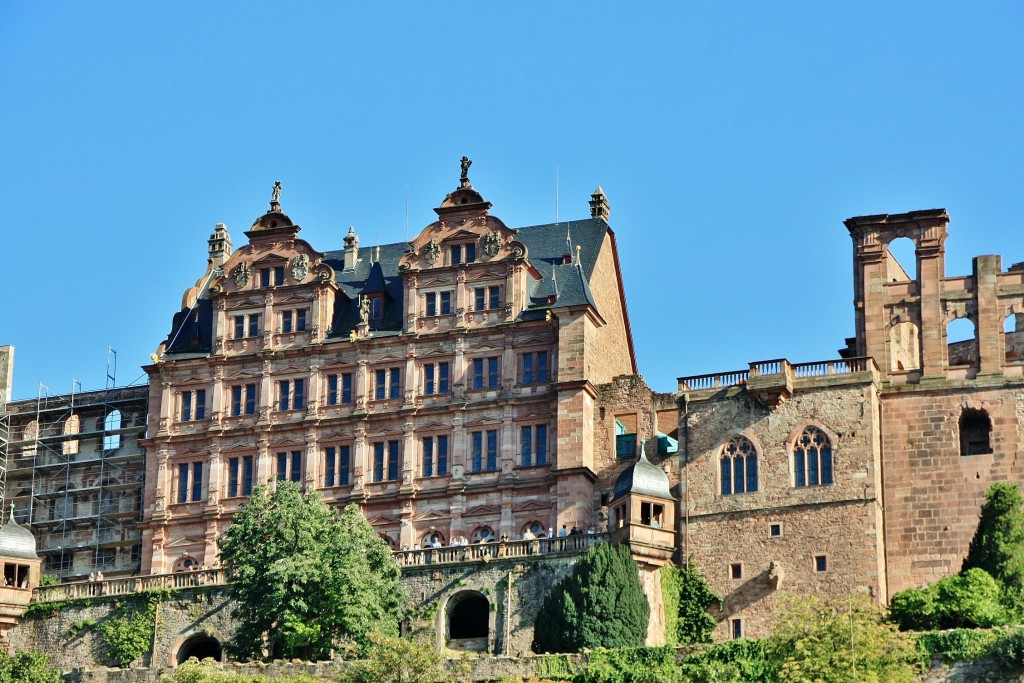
<point x="462" y="253"/>
<point x="272" y="277"/>
<point x="376" y="302"/>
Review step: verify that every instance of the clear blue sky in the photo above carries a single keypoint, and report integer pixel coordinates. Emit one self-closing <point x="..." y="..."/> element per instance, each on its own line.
<point x="732" y="140"/>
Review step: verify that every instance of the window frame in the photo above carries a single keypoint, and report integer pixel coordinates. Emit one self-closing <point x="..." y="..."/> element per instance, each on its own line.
<point x="735" y="465"/>
<point x="804" y="467"/>
<point x="190" y="482"/>
<point x="534" y="445"/>
<point x="241" y="473"/>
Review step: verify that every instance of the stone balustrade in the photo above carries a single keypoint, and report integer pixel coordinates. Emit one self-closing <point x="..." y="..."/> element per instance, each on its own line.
<point x="448" y="555"/>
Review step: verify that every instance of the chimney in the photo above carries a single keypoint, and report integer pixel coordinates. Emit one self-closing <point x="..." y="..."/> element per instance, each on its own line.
<point x="220" y="245"/>
<point x="351" y="249"/>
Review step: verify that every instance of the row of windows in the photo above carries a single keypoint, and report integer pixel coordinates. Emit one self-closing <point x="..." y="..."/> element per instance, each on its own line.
<point x="385" y="462"/>
<point x="812" y="462"/>
<point x="440" y="302"/>
<point x="484" y="373"/>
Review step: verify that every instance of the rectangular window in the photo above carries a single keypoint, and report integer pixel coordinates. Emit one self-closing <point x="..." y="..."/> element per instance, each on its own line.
<point x="300" y="320"/>
<point x="385" y="461"/>
<point x="736" y="571"/>
<point x="534" y="367"/>
<point x="469" y="254"/>
<point x="293" y="321"/>
<point x="291" y="394"/>
<point x="494" y="297"/>
<point x="534" y="445"/>
<point x="387" y="384"/>
<point x="336" y="466"/>
<point x="435" y="378"/>
<point x="446" y="303"/>
<point x="736" y="626"/>
<point x="243" y="399"/>
<point x="431" y="304"/>
<point x="485" y="373"/>
<point x="435" y="455"/>
<point x="193" y="405"/>
<point x="820" y="563"/>
<point x="239" y="326"/>
<point x="190" y="482"/>
<point x="775" y="530"/>
<point x="186" y="406"/>
<point x="485" y="451"/>
<point x="625" y="445"/>
<point x="289" y="466"/>
<point x="286" y="321"/>
<point x="339" y="389"/>
<point x="247" y="325"/>
<point x="265" y="280"/>
<point x="456" y="254"/>
<point x="479" y="298"/>
<point x="279" y="275"/>
<point x="233" y="472"/>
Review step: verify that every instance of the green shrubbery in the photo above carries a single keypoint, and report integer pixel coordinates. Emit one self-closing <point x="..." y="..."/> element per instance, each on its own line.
<point x="688" y="597"/>
<point x="27" y="667"/>
<point x="970" y="600"/>
<point x="600" y="604"/>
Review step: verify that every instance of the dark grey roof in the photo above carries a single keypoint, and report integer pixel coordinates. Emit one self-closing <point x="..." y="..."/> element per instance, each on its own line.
<point x="376" y="271"/>
<point x="16" y="541"/>
<point x="645" y="478"/>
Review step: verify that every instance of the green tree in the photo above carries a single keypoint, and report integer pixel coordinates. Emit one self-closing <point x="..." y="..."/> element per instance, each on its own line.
<point x="27" y="666"/>
<point x="691" y="597"/>
<point x="304" y="578"/>
<point x="600" y="604"/>
<point x="815" y="642"/>
<point x="998" y="544"/>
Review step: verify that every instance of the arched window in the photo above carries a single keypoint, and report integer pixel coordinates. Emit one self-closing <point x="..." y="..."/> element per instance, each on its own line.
<point x="975" y="427"/>
<point x="739" y="466"/>
<point x="185" y="564"/>
<point x="962" y="342"/>
<point x="483" y="534"/>
<point x="73" y="425"/>
<point x="535" y="528"/>
<point x="112" y="423"/>
<point x="812" y="459"/>
<point x="431" y="538"/>
<point x="390" y="542"/>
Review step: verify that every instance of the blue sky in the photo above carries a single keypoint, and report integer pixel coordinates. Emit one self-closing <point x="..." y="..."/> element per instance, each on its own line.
<point x="732" y="139"/>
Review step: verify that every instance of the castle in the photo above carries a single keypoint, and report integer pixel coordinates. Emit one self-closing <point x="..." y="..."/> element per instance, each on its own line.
<point x="479" y="382"/>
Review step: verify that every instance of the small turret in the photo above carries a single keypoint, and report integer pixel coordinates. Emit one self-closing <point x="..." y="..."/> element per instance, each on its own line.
<point x="220" y="245"/>
<point x="20" y="565"/>
<point x="599" y="206"/>
<point x="351" y="249"/>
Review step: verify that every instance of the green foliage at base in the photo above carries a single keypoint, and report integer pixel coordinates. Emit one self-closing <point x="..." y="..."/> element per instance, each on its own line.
<point x="27" y="666"/>
<point x="209" y="671"/>
<point x="688" y="597"/>
<point x="127" y="631"/>
<point x="1008" y="650"/>
<point x="972" y="599"/>
<point x="556" y="667"/>
<point x="737" y="661"/>
<point x="959" y="645"/>
<point x="630" y="665"/>
<point x="600" y="604"/>
<point x="395" y="660"/>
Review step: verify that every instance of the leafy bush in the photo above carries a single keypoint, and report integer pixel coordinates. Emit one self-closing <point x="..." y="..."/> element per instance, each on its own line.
<point x="395" y="660"/>
<point x="958" y="645"/>
<point x="998" y="544"/>
<point x="819" y="643"/>
<point x="969" y="600"/>
<point x="600" y="604"/>
<point x="629" y="665"/>
<point x="27" y="666"/>
<point x="734" y="661"/>
<point x="48" y="580"/>
<point x="1009" y="650"/>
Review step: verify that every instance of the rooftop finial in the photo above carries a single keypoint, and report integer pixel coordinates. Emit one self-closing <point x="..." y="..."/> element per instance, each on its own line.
<point x="11" y="518"/>
<point x="464" y="178"/>
<point x="275" y="196"/>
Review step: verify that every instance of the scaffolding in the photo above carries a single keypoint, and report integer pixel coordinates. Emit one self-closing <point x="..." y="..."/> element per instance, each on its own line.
<point x="77" y="475"/>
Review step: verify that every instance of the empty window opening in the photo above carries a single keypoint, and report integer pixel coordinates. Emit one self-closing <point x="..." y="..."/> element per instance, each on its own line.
<point x="963" y="347"/>
<point x="904" y="347"/>
<point x="975" y="430"/>
<point x="468" y="617"/>
<point x="820" y="563"/>
<point x="1013" y="333"/>
<point x="201" y="647"/>
<point x="902" y="262"/>
<point x="736" y="571"/>
<point x="112" y="423"/>
<point x="736" y="628"/>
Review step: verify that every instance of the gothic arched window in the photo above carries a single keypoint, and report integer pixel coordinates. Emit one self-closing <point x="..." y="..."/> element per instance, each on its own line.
<point x="812" y="459"/>
<point x="739" y="466"/>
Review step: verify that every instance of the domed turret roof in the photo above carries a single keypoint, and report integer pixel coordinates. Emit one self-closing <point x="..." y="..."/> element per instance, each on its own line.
<point x="16" y="541"/>
<point x="645" y="478"/>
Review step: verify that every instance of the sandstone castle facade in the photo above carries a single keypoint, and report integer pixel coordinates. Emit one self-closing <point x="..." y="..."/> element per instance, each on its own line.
<point x="479" y="382"/>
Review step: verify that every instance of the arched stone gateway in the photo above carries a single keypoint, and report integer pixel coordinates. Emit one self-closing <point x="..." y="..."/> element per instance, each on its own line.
<point x="201" y="646"/>
<point x="468" y="621"/>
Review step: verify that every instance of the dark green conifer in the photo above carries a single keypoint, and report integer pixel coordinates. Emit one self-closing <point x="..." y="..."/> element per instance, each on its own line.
<point x="998" y="544"/>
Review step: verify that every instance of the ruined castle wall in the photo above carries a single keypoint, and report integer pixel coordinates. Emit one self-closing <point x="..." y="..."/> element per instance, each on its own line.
<point x="933" y="494"/>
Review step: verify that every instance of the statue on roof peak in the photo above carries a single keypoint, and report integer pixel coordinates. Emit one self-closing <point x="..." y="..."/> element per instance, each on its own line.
<point x="275" y="194"/>
<point x="466" y="163"/>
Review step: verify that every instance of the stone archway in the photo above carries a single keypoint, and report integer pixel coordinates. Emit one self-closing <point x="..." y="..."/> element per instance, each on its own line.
<point x="201" y="646"/>
<point x="467" y="621"/>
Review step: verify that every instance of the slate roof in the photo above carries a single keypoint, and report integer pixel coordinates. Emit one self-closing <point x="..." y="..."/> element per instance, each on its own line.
<point x="377" y="272"/>
<point x="645" y="478"/>
<point x="16" y="541"/>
